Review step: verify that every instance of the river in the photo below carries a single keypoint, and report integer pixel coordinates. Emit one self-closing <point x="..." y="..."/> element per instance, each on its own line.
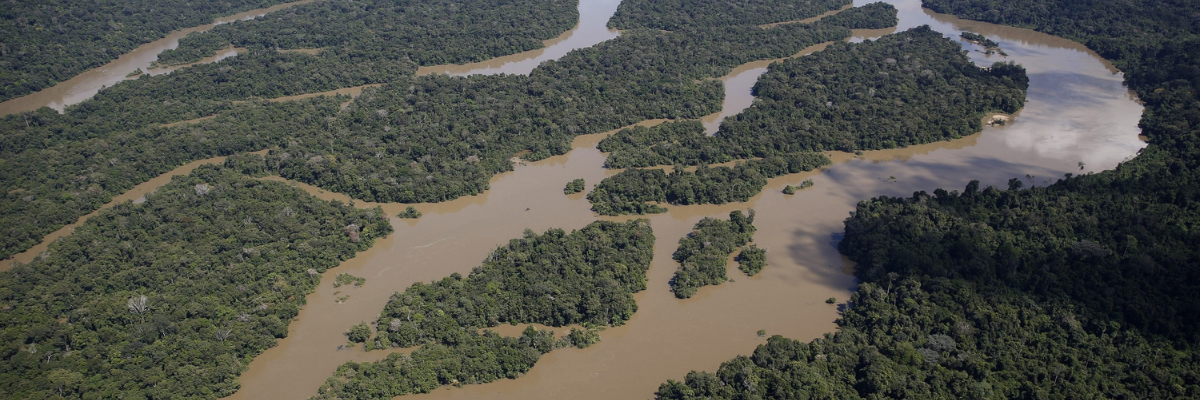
<point x="1077" y="110"/>
<point x="83" y="86"/>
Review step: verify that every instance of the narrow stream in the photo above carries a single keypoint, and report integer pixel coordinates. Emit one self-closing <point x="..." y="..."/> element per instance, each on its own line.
<point x="1077" y="110"/>
<point x="591" y="30"/>
<point x="87" y="84"/>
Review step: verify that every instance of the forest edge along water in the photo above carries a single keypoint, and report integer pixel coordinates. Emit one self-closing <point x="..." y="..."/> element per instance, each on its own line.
<point x="1072" y="91"/>
<point x="85" y="85"/>
<point x="1077" y="111"/>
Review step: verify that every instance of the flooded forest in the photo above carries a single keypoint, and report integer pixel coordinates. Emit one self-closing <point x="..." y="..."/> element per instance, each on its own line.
<point x="599" y="199"/>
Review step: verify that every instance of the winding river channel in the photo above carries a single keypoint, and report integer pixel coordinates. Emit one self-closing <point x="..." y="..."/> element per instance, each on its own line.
<point x="1077" y="111"/>
<point x="85" y="85"/>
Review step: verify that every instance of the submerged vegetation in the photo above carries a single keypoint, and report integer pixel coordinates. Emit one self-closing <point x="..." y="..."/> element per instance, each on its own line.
<point x="172" y="297"/>
<point x="344" y="279"/>
<point x="704" y="253"/>
<point x="585" y="277"/>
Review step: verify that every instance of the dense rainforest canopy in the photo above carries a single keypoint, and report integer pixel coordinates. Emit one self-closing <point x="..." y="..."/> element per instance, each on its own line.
<point x="584" y="277"/>
<point x="173" y="297"/>
<point x="1082" y="288"/>
<point x="425" y="32"/>
<point x="390" y="144"/>
<point x="46" y="42"/>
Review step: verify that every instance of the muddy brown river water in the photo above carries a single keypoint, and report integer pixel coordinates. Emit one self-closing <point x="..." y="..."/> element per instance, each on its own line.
<point x="1077" y="110"/>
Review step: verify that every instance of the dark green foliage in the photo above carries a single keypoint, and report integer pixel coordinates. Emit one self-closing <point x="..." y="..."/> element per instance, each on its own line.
<point x="557" y="279"/>
<point x="586" y="277"/>
<point x="46" y="42"/>
<point x="574" y="186"/>
<point x="629" y="191"/>
<point x="427" y="32"/>
<point x="1081" y="239"/>
<point x="583" y="337"/>
<point x="789" y="189"/>
<point x="703" y="253"/>
<point x="674" y="15"/>
<point x="476" y="358"/>
<point x="359" y="333"/>
<point x="752" y="259"/>
<point x="409" y="212"/>
<point x="806" y="184"/>
<point x="948" y="339"/>
<point x="347" y="279"/>
<point x="172" y="297"/>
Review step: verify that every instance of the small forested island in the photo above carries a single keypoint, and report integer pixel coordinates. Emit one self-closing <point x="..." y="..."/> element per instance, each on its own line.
<point x="704" y="253"/>
<point x="174" y="296"/>
<point x="636" y="190"/>
<point x="584" y="277"/>
<point x="574" y="186"/>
